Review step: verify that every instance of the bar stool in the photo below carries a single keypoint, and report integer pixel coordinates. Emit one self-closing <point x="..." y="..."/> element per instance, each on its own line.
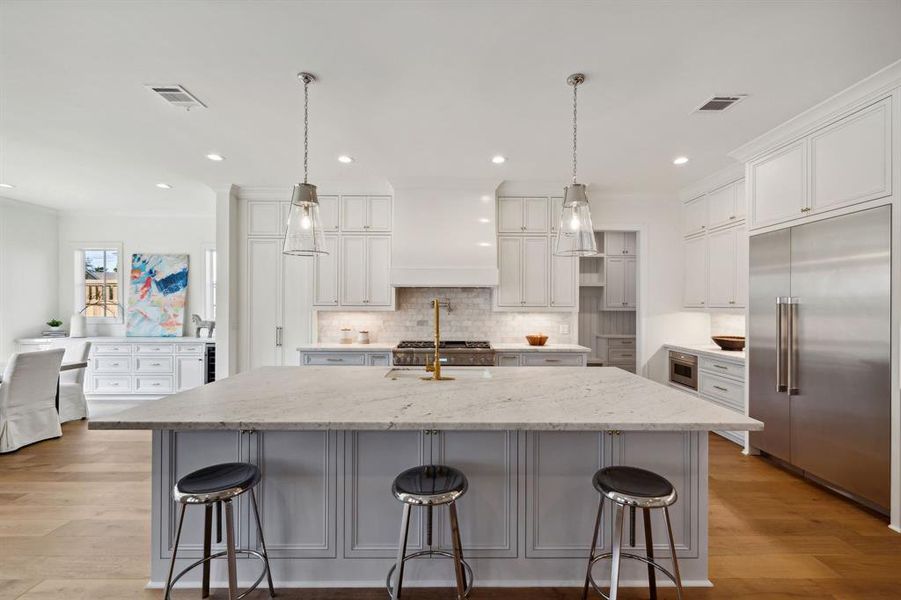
<point x="634" y="488"/>
<point x="218" y="485"/>
<point x="429" y="486"/>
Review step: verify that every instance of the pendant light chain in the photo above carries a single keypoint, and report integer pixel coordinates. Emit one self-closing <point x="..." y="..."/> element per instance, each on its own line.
<point x="575" y="127"/>
<point x="306" y="126"/>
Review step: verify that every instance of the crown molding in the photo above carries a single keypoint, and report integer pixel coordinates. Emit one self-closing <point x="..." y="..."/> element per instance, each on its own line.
<point x="862" y="93"/>
<point x="730" y="174"/>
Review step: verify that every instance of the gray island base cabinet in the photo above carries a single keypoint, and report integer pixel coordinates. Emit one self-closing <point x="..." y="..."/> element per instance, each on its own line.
<point x="526" y="519"/>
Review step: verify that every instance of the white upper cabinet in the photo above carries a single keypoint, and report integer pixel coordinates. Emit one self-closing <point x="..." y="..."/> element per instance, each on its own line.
<point x="365" y="269"/>
<point x="620" y="291"/>
<point x="264" y="218"/>
<point x="563" y="279"/>
<point x="325" y="278"/>
<point x="366" y="214"/>
<point x="619" y="243"/>
<point x="851" y="160"/>
<point x="509" y="259"/>
<point x="779" y="185"/>
<point x="535" y="258"/>
<point x="721" y="257"/>
<point x="695" y="272"/>
<point x="556" y="205"/>
<point x="522" y="215"/>
<point x="726" y="205"/>
<point x="694" y="216"/>
<point x="328" y="213"/>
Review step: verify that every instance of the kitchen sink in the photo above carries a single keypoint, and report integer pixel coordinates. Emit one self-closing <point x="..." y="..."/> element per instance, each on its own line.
<point x="455" y="372"/>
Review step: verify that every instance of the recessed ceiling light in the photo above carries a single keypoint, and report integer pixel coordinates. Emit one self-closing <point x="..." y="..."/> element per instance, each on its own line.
<point x="484" y="220"/>
<point x="498" y="159"/>
<point x="8" y="186"/>
<point x="680" y="160"/>
<point x="485" y="244"/>
<point x="486" y="198"/>
<point x="164" y="186"/>
<point x="345" y="159"/>
<point x="215" y="157"/>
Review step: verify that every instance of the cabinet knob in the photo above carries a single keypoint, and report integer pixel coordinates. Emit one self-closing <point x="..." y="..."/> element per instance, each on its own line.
<point x="732" y="217"/>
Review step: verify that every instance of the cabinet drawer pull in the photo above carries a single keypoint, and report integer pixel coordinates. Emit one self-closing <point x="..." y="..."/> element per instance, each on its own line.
<point x="553" y="360"/>
<point x="155" y="384"/>
<point x="335" y="359"/>
<point x="723" y="367"/>
<point x="720" y="388"/>
<point x="154" y="364"/>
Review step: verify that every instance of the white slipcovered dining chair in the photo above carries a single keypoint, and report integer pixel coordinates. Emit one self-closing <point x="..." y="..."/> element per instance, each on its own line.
<point x="28" y="399"/>
<point x="72" y="403"/>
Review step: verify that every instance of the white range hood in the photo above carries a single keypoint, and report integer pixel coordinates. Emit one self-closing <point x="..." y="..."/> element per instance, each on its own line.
<point x="444" y="233"/>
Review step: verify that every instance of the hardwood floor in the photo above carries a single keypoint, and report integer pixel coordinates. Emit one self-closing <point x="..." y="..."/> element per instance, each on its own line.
<point x="74" y="523"/>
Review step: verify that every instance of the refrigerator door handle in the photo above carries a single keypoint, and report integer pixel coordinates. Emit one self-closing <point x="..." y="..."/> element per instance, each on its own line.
<point x="793" y="357"/>
<point x="781" y="343"/>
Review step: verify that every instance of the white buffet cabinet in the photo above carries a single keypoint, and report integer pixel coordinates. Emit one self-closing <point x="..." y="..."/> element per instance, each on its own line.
<point x="133" y="368"/>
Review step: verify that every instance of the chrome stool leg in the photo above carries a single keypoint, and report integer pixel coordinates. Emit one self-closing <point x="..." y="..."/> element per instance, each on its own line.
<point x="230" y="550"/>
<point x="672" y="549"/>
<point x="649" y="546"/>
<point x="181" y="520"/>
<point x="594" y="546"/>
<point x="207" y="548"/>
<point x="618" y="517"/>
<point x="458" y="552"/>
<point x="401" y="553"/>
<point x="256" y="515"/>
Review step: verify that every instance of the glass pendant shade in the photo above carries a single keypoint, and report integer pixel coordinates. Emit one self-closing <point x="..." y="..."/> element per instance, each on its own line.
<point x="575" y="233"/>
<point x="304" y="236"/>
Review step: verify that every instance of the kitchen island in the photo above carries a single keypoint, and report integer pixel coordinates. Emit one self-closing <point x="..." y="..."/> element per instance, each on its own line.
<point x="529" y="439"/>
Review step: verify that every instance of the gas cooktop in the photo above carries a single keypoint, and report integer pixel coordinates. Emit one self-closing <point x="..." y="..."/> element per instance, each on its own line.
<point x="445" y="345"/>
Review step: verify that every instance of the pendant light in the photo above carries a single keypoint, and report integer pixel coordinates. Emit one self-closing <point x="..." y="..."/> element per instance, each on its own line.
<point x="575" y="233"/>
<point x="303" y="235"/>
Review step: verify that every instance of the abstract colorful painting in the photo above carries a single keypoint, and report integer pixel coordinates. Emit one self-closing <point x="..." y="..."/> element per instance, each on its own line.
<point x="158" y="290"/>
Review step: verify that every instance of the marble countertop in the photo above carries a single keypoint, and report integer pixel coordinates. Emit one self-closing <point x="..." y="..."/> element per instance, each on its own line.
<point x="123" y="339"/>
<point x="708" y="350"/>
<point x="337" y="347"/>
<point x="495" y="398"/>
<point x="524" y="347"/>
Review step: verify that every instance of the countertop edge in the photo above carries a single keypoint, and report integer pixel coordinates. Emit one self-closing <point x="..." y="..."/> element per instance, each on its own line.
<point x="737" y="357"/>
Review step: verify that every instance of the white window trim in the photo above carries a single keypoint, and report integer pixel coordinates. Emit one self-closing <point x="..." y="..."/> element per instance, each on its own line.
<point x="77" y="250"/>
<point x="208" y="292"/>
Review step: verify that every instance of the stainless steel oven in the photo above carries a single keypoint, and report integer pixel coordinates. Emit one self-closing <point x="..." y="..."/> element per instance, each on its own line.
<point x="683" y="369"/>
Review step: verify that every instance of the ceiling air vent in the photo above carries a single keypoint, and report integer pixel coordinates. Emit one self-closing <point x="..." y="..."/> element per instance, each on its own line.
<point x="721" y="103"/>
<point x="177" y="96"/>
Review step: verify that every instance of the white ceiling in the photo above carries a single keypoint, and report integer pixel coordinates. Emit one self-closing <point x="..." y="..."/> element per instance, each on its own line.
<point x="410" y="89"/>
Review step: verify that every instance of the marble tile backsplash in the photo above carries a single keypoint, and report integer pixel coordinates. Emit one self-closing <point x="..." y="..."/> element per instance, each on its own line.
<point x="471" y="318"/>
<point x="727" y="324"/>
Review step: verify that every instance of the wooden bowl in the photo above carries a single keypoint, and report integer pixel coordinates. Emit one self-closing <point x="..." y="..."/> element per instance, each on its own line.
<point x="536" y="340"/>
<point x="731" y="343"/>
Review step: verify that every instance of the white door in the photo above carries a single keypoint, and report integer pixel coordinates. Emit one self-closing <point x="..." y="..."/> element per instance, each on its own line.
<point x="189" y="372"/>
<point x="535" y="271"/>
<point x="615" y="291"/>
<point x="328" y="213"/>
<point x="379" y="217"/>
<point x="297" y="305"/>
<point x="721" y="270"/>
<point x="695" y="272"/>
<point x="630" y="293"/>
<point x="509" y="262"/>
<point x="741" y="200"/>
<point x="378" y="268"/>
<point x="741" y="268"/>
<point x="563" y="279"/>
<point x="694" y="216"/>
<point x="509" y="215"/>
<point x="613" y="243"/>
<point x="556" y="213"/>
<point x="325" y="285"/>
<point x="779" y="185"/>
<point x="851" y="159"/>
<point x="535" y="215"/>
<point x="353" y="213"/>
<point x="721" y="207"/>
<point x="263" y="302"/>
<point x="630" y="239"/>
<point x="353" y="270"/>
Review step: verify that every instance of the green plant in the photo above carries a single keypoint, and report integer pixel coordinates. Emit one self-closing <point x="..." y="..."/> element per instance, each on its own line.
<point x="54" y="322"/>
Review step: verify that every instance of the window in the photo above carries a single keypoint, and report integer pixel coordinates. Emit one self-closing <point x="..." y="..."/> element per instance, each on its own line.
<point x="209" y="289"/>
<point x="98" y="282"/>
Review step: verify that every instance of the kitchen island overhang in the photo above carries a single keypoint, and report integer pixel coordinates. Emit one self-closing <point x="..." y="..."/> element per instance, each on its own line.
<point x="330" y="441"/>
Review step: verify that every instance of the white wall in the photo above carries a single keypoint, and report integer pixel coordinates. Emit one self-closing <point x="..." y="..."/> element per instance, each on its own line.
<point x="662" y="319"/>
<point x="28" y="271"/>
<point x="169" y="234"/>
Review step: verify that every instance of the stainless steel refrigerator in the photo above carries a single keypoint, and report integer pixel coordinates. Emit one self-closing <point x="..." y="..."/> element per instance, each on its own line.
<point x="819" y="353"/>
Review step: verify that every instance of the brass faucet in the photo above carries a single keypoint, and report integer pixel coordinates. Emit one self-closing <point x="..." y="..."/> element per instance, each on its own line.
<point x="435" y="366"/>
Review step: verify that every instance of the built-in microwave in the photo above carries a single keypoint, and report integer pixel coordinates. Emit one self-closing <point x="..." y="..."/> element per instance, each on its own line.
<point x="683" y="369"/>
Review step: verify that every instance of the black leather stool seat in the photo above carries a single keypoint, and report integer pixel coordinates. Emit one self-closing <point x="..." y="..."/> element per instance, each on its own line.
<point x="216" y="483"/>
<point x="632" y="486"/>
<point x="429" y="485"/>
